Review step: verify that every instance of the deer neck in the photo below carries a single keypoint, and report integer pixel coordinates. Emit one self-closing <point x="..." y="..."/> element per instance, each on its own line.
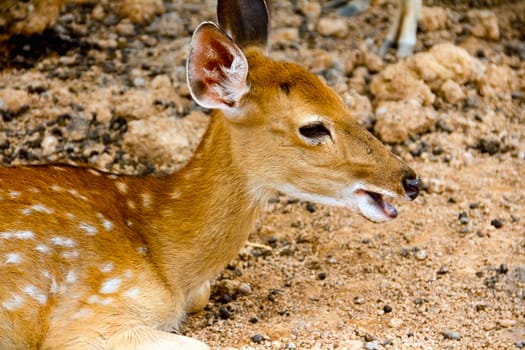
<point x="207" y="212"/>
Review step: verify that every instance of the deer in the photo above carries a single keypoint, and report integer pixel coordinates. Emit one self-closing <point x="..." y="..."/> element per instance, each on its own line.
<point x="96" y="260"/>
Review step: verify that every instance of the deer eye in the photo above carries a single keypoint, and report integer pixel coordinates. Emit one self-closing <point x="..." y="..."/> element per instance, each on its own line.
<point x="315" y="132"/>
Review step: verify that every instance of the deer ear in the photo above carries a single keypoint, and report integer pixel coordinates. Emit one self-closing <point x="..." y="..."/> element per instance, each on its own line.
<point x="216" y="70"/>
<point x="247" y="22"/>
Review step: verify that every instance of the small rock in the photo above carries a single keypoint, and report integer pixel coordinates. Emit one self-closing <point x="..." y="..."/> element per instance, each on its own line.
<point x="49" y="145"/>
<point x="484" y="24"/>
<point x="443" y="270"/>
<point x="433" y="18"/>
<point x="332" y="27"/>
<point x="387" y="309"/>
<point x="139" y="82"/>
<point x="497" y="223"/>
<point x="125" y="28"/>
<point x="520" y="344"/>
<point x="421" y="254"/>
<point x="397" y="121"/>
<point x="359" y="300"/>
<point x="224" y="313"/>
<point x="452" y="92"/>
<point x="490" y="146"/>
<point x="395" y="322"/>
<point x="257" y="338"/>
<point x="244" y="289"/>
<point x="463" y="218"/>
<point x="373" y="62"/>
<point x="321" y="275"/>
<point x="372" y="345"/>
<point x="310" y="207"/>
<point x="453" y="335"/>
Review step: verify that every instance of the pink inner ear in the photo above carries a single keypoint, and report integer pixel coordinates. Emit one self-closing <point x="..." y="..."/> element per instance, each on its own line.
<point x="212" y="54"/>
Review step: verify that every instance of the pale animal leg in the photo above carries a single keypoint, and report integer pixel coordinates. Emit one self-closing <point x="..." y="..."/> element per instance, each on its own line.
<point x="146" y="338"/>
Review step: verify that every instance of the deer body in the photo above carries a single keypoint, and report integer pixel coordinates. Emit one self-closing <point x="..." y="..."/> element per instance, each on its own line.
<point x="90" y="260"/>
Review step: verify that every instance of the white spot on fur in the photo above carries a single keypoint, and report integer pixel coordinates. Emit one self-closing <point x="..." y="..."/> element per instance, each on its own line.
<point x="146" y="200"/>
<point x="71" y="216"/>
<point x="108" y="267"/>
<point x="96" y="299"/>
<point x="71" y="277"/>
<point x="93" y="299"/>
<point x="76" y="194"/>
<point x="22" y="234"/>
<point x="128" y="274"/>
<point x="63" y="242"/>
<point x="74" y="254"/>
<point x="108" y="225"/>
<point x="42" y="248"/>
<point x="110" y="286"/>
<point x="14" y="194"/>
<point x="132" y="292"/>
<point x="35" y="293"/>
<point x="14" y="303"/>
<point x="57" y="188"/>
<point x="89" y="229"/>
<point x="39" y="208"/>
<point x="83" y="313"/>
<point x="131" y="204"/>
<point x="142" y="250"/>
<point x="122" y="187"/>
<point x="176" y="195"/>
<point x="46" y="274"/>
<point x="13" y="258"/>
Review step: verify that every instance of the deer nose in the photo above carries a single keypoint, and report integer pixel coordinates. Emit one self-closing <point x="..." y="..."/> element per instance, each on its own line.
<point x="412" y="185"/>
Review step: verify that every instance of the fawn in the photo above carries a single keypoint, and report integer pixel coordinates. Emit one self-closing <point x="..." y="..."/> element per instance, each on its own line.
<point x="90" y="260"/>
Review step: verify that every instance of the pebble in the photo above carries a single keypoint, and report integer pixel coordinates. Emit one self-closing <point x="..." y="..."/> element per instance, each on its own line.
<point x="387" y="309"/>
<point x="244" y="289"/>
<point x="257" y="338"/>
<point x="520" y="344"/>
<point x="372" y="345"/>
<point x="453" y="335"/>
<point x="497" y="223"/>
<point x="421" y="254"/>
<point x="139" y="82"/>
<point x="332" y="27"/>
<point x="224" y="313"/>
<point x="443" y="270"/>
<point x="359" y="300"/>
<point x="49" y="145"/>
<point x="463" y="218"/>
<point x="395" y="322"/>
<point x="310" y="207"/>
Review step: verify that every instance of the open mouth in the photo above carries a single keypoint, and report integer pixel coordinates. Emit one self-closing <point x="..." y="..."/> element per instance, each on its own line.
<point x="374" y="207"/>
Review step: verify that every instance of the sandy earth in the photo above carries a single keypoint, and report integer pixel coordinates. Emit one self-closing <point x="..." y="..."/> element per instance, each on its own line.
<point x="448" y="273"/>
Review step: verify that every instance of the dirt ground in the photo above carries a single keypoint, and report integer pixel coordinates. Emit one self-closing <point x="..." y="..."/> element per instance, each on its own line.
<point x="448" y="273"/>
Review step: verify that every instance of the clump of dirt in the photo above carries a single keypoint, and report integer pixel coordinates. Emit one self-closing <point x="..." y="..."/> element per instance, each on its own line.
<point x="104" y="83"/>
